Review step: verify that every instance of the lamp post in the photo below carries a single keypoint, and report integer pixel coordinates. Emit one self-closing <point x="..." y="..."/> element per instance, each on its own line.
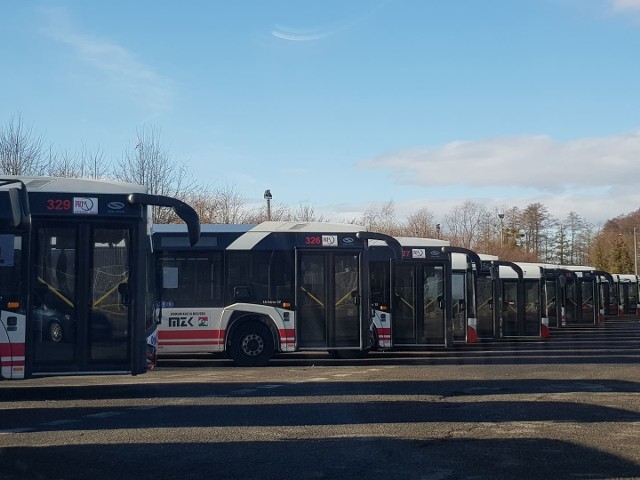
<point x="635" y="251"/>
<point x="438" y="230"/>
<point x="268" y="197"/>
<point x="501" y="217"/>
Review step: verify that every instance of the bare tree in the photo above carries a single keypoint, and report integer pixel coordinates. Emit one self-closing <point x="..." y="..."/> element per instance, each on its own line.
<point x="149" y="163"/>
<point x="204" y="202"/>
<point x="465" y="223"/>
<point x="229" y="206"/>
<point x="62" y="164"/>
<point x="536" y="221"/>
<point x="92" y="163"/>
<point x="381" y="218"/>
<point x="421" y="224"/>
<point x="20" y="149"/>
<point x="305" y="213"/>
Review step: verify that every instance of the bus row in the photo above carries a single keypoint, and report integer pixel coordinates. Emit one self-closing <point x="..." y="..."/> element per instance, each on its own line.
<point x="89" y="285"/>
<point x="255" y="290"/>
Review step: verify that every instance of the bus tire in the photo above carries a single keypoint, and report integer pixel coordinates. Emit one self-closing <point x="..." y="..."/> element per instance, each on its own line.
<point x="252" y="345"/>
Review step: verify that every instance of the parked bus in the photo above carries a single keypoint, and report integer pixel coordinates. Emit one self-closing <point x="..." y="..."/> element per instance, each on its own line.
<point x="627" y="297"/>
<point x="511" y="301"/>
<point x="574" y="295"/>
<point x="422" y="302"/>
<point x="76" y="277"/>
<point x="585" y="302"/>
<point x="254" y="290"/>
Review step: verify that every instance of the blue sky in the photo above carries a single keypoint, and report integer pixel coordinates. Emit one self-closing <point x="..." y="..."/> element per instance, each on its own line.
<point x="342" y="105"/>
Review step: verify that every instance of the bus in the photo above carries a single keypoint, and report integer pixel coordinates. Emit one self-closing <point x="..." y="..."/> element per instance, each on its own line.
<point x="422" y="302"/>
<point x="574" y="294"/>
<point x="625" y="288"/>
<point x="500" y="299"/>
<point x="251" y="291"/>
<point x="76" y="275"/>
<point x="584" y="296"/>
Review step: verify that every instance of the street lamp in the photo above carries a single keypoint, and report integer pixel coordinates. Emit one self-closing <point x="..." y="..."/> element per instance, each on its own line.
<point x="501" y="217"/>
<point x="438" y="231"/>
<point x="268" y="197"/>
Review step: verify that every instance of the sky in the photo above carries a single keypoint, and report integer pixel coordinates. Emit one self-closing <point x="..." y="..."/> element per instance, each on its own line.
<point x="346" y="105"/>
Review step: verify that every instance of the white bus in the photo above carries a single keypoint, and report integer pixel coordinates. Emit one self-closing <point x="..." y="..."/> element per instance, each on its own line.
<point x="573" y="294"/>
<point x="254" y="290"/>
<point x="428" y="299"/>
<point x="626" y="294"/>
<point x="76" y="278"/>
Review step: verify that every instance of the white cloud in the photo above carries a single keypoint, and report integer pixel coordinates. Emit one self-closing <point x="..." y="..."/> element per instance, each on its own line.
<point x="594" y="177"/>
<point x="317" y="33"/>
<point x="110" y="61"/>
<point x="537" y="162"/>
<point x="622" y="5"/>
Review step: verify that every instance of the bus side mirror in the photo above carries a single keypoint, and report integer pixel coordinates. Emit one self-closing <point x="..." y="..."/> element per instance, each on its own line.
<point x="241" y="293"/>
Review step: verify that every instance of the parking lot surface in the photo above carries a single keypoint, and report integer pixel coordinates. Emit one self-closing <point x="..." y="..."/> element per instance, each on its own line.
<point x="568" y="407"/>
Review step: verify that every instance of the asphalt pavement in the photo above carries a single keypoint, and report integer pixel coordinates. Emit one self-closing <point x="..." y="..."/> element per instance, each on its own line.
<point x="564" y="408"/>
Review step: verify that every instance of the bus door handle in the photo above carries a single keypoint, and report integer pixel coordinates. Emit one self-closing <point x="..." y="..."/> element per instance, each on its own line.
<point x="355" y="297"/>
<point x="123" y="291"/>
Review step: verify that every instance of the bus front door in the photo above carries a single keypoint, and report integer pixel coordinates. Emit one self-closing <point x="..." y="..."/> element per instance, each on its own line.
<point x="419" y="312"/>
<point x="80" y="318"/>
<point x="329" y="310"/>
<point x="485" y="310"/>
<point x="510" y="320"/>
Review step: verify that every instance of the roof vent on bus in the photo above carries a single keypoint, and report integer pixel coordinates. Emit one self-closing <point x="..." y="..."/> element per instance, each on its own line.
<point x="298" y="226"/>
<point x="38" y="183"/>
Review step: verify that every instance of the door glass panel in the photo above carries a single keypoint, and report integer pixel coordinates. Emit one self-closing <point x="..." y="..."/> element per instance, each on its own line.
<point x="571" y="301"/>
<point x="312" y="301"/>
<point x="404" y="330"/>
<point x="484" y="310"/>
<point x="509" y="308"/>
<point x="433" y="313"/>
<point x="458" y="290"/>
<point x="587" y="310"/>
<point x="631" y="298"/>
<point x="109" y="313"/>
<point x="347" y="301"/>
<point x="532" y="308"/>
<point x="54" y="316"/>
<point x="552" y="302"/>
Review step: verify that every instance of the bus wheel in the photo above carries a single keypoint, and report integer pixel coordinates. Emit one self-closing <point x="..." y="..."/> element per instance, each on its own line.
<point x="55" y="332"/>
<point x="252" y="345"/>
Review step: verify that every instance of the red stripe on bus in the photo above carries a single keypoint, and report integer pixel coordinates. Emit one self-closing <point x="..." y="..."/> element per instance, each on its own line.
<point x="187" y="334"/>
<point x="12" y="349"/>
<point x="196" y="342"/>
<point x="14" y="363"/>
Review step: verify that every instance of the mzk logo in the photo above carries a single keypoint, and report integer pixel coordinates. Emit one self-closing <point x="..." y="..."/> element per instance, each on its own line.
<point x="181" y="321"/>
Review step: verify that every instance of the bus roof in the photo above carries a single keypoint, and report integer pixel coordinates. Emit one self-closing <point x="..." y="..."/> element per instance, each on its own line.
<point x="204" y="228"/>
<point x="317" y="227"/>
<point x="75" y="185"/>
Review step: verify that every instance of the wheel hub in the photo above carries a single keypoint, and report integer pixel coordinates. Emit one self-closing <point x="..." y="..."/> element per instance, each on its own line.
<point x="252" y="345"/>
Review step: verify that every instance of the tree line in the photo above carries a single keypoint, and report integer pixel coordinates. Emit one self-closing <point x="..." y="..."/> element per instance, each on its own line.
<point x="529" y="234"/>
